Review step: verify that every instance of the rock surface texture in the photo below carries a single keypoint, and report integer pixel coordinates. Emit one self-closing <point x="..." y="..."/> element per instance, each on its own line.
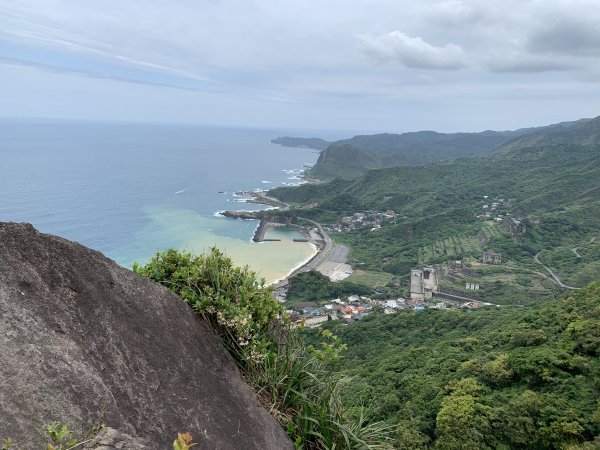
<point x="111" y="439"/>
<point x="85" y="341"/>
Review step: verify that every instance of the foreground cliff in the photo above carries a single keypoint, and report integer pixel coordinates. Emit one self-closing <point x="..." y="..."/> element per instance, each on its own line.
<point x="85" y="341"/>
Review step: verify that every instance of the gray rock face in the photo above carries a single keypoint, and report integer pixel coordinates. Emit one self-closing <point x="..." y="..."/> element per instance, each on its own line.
<point x="111" y="439"/>
<point x="85" y="341"/>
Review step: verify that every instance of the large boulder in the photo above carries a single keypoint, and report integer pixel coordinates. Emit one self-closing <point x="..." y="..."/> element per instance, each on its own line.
<point x="85" y="341"/>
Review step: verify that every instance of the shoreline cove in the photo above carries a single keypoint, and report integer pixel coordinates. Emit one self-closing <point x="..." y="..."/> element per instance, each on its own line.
<point x="266" y="225"/>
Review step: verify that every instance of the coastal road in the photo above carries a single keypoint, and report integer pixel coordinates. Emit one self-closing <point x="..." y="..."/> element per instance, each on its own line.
<point x="319" y="257"/>
<point x="560" y="283"/>
<point x="339" y="254"/>
<point x="324" y="253"/>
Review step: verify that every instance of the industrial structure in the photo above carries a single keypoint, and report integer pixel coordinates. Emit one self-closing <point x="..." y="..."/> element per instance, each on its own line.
<point x="423" y="283"/>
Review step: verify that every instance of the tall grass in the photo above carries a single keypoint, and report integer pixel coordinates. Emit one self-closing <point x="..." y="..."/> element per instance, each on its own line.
<point x="300" y="390"/>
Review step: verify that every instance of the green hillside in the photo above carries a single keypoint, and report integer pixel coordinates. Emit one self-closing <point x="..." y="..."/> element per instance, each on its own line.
<point x="494" y="378"/>
<point x="554" y="189"/>
<point x="345" y="161"/>
<point x="349" y="158"/>
<point x="581" y="132"/>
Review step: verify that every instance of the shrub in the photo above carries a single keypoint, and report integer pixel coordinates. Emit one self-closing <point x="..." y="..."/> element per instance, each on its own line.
<point x="294" y="380"/>
<point x="238" y="306"/>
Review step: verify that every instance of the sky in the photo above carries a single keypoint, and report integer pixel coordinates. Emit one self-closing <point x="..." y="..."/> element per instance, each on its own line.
<point x="361" y="65"/>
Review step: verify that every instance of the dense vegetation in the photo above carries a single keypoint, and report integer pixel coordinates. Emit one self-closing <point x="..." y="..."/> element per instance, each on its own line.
<point x="554" y="187"/>
<point x="308" y="286"/>
<point x="522" y="378"/>
<point x="351" y="157"/>
<point x="295" y="382"/>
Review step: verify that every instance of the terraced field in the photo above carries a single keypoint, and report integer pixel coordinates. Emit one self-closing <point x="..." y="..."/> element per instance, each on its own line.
<point x="492" y="229"/>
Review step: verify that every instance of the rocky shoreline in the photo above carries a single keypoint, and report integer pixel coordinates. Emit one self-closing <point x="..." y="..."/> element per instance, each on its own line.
<point x="268" y="220"/>
<point x="261" y="198"/>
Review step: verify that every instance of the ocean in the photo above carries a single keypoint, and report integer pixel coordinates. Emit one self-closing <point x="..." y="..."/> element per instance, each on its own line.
<point x="130" y="190"/>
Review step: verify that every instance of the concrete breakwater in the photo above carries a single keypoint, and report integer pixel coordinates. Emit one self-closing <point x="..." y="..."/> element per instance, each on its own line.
<point x="259" y="234"/>
<point x="265" y="220"/>
<point x="316" y="236"/>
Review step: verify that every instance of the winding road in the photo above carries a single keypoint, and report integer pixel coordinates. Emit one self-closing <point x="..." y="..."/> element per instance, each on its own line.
<point x="560" y="283"/>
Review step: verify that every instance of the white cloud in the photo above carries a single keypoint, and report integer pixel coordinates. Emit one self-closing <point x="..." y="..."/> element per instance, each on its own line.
<point x="304" y="61"/>
<point x="414" y="52"/>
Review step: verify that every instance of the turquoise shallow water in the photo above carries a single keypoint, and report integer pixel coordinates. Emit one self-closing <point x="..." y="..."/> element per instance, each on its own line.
<point x="132" y="190"/>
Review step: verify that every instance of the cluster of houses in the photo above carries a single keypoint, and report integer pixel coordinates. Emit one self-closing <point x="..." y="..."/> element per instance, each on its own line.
<point x="314" y="314"/>
<point x="495" y="208"/>
<point x="372" y="220"/>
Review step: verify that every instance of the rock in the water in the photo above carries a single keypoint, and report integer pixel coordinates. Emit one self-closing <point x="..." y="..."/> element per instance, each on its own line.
<point x="85" y="341"/>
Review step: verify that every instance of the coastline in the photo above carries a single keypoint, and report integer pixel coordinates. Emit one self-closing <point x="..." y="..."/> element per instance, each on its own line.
<point x="267" y="222"/>
<point x="299" y="267"/>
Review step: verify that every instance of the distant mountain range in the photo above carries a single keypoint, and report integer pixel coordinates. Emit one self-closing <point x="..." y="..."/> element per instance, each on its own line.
<point x="349" y="158"/>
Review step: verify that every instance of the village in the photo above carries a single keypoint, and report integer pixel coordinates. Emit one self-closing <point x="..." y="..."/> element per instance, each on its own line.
<point x="372" y="220"/>
<point x="425" y="293"/>
<point x="494" y="208"/>
<point x="424" y="287"/>
<point x="355" y="308"/>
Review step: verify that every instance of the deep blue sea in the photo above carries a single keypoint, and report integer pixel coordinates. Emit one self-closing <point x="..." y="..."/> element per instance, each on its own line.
<point x="130" y="190"/>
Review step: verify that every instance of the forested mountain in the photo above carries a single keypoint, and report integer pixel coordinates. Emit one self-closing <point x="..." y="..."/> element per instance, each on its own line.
<point x="553" y="188"/>
<point x="582" y="132"/>
<point x="349" y="158"/>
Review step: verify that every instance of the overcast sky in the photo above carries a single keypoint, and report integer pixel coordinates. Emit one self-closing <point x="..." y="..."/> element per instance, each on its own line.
<point x="362" y="65"/>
